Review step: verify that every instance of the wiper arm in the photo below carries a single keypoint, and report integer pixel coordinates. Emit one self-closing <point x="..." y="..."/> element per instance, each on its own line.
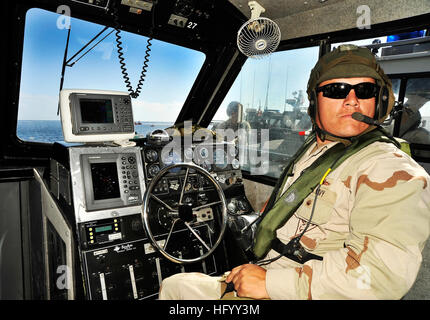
<point x="66" y="63"/>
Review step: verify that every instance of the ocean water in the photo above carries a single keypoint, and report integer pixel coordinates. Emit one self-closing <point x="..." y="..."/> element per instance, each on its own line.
<point x="50" y="130"/>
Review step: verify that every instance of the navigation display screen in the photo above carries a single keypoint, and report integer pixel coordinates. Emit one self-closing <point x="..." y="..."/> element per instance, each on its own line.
<point x="96" y="111"/>
<point x="105" y="180"/>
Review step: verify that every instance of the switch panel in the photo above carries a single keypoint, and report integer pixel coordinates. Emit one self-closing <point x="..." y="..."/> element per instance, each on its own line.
<point x="95" y="3"/>
<point x="177" y="21"/>
<point x="138" y="4"/>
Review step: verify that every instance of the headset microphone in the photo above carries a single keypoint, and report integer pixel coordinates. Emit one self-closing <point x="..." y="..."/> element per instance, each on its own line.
<point x="362" y="118"/>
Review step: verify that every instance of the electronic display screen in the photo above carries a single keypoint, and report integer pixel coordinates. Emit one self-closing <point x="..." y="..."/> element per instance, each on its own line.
<point x="103" y="228"/>
<point x="105" y="180"/>
<point x="96" y="111"/>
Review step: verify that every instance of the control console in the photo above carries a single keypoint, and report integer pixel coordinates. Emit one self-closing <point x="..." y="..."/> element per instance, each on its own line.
<point x="135" y="270"/>
<point x="117" y="258"/>
<point x="108" y="183"/>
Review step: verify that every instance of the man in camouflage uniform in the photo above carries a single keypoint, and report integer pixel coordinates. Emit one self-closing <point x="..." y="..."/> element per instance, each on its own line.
<point x="362" y="228"/>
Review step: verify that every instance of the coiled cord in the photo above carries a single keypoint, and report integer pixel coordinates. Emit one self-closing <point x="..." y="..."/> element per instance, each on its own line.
<point x="133" y="93"/>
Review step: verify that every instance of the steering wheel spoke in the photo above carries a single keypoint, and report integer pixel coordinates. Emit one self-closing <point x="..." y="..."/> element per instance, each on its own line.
<point x="197" y="236"/>
<point x="162" y="202"/>
<point x="170" y="233"/>
<point x="183" y="186"/>
<point x="206" y="205"/>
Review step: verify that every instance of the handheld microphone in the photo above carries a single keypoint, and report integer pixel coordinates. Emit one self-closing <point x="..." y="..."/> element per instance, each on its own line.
<point x="362" y="118"/>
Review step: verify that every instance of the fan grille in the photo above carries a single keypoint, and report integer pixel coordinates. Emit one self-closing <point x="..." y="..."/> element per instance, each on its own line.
<point x="258" y="37"/>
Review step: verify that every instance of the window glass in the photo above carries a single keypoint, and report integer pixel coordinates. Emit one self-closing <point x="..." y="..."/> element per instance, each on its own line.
<point x="269" y="100"/>
<point x="170" y="75"/>
<point x="415" y="122"/>
<point x="396" y="88"/>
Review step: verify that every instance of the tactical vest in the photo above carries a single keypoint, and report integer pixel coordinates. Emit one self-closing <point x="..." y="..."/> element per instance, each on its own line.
<point x="281" y="207"/>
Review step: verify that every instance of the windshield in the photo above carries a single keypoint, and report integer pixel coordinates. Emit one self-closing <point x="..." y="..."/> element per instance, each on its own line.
<point x="269" y="101"/>
<point x="170" y="74"/>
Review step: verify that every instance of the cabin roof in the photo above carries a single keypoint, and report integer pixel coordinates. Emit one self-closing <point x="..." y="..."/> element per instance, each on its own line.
<point x="304" y="18"/>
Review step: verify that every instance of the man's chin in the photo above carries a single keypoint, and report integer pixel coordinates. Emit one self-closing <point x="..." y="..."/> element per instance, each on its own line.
<point x="351" y="130"/>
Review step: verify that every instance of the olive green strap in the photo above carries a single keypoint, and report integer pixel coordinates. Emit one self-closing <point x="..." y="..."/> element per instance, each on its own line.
<point x="289" y="168"/>
<point x="404" y="146"/>
<point x="278" y="211"/>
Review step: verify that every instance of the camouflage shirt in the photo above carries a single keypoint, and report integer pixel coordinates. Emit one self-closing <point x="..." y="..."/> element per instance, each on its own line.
<point x="371" y="222"/>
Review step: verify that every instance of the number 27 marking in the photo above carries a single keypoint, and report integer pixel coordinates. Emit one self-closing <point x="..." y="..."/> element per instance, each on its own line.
<point x="191" y="25"/>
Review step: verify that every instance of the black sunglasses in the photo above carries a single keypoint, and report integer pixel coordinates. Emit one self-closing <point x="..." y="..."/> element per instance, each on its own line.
<point x="340" y="90"/>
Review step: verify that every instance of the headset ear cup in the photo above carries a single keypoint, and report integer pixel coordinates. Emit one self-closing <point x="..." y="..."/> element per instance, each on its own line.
<point x="312" y="105"/>
<point x="383" y="101"/>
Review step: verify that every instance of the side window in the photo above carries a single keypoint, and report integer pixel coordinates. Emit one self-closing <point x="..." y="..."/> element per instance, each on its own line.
<point x="396" y="89"/>
<point x="268" y="101"/>
<point x="415" y="122"/>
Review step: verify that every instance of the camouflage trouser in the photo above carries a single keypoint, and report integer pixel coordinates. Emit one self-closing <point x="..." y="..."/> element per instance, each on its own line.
<point x="196" y="286"/>
<point x="192" y="286"/>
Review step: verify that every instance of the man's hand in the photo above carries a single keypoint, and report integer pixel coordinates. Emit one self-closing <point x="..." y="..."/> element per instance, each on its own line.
<point x="249" y="281"/>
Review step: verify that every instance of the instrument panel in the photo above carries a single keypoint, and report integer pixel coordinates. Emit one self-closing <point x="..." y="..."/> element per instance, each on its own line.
<point x="221" y="160"/>
<point x="211" y="157"/>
